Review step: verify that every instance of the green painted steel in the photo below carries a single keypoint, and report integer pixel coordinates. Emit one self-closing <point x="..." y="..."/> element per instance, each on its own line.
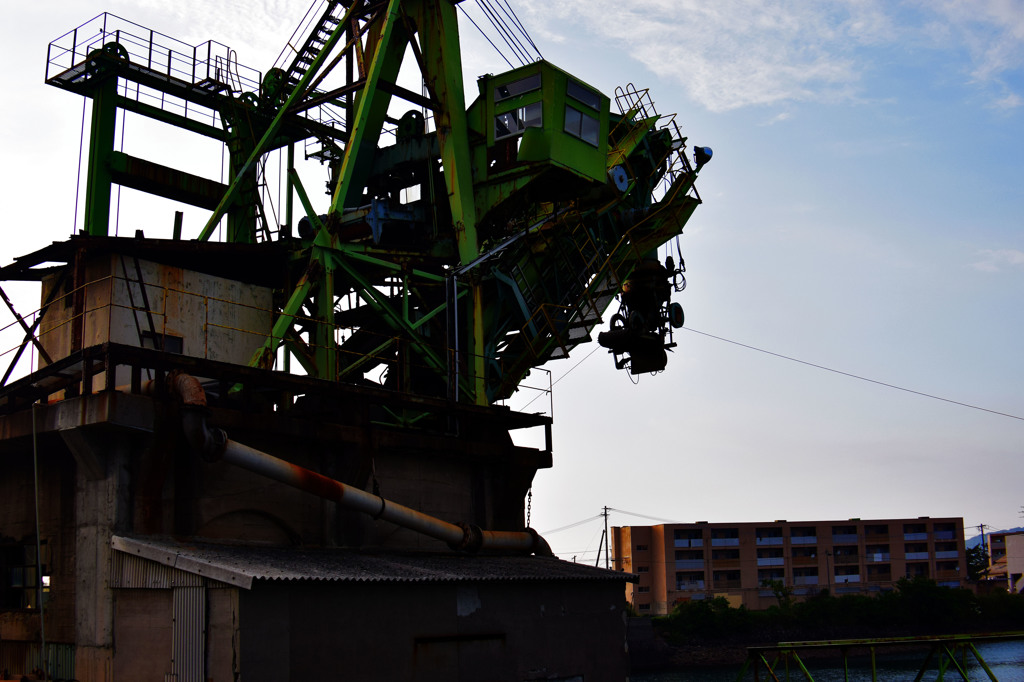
<point x="464" y="243"/>
<point x="942" y="654"/>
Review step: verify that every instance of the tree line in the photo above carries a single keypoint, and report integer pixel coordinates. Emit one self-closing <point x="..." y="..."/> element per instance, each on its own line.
<point x="917" y="606"/>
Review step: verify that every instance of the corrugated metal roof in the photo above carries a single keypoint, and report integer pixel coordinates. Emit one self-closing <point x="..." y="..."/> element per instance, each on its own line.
<point x="240" y="565"/>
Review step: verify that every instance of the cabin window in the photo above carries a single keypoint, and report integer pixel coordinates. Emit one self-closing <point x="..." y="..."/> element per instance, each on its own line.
<point x="584" y="95"/>
<point x="516" y="121"/>
<point x="583" y="126"/>
<point x="509" y="90"/>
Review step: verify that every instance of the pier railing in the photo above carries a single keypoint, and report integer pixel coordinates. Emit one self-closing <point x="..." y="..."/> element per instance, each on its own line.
<point x="941" y="654"/>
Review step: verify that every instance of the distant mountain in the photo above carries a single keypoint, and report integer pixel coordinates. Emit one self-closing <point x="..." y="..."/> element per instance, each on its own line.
<point x="976" y="540"/>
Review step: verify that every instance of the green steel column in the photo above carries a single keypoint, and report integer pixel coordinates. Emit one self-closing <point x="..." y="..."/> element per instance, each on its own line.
<point x="101" y="144"/>
<point x="371" y="110"/>
<point x="325" y="348"/>
<point x="442" y="65"/>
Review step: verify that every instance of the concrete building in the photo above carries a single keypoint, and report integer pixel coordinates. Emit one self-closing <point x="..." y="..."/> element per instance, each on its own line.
<point x="739" y="561"/>
<point x="1005" y="560"/>
<point x="135" y="557"/>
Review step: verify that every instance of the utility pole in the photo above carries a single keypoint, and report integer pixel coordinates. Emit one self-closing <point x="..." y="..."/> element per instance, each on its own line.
<point x="607" y="538"/>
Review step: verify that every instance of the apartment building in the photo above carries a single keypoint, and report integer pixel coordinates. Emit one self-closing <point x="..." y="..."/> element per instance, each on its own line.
<point x="690" y="561"/>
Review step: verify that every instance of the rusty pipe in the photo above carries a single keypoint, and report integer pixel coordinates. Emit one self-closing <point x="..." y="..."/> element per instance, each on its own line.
<point x="459" y="536"/>
<point x="213" y="445"/>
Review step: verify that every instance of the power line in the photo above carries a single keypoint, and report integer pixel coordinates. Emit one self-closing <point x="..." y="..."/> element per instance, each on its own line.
<point x="642" y="516"/>
<point x="572" y="525"/>
<point x="854" y="376"/>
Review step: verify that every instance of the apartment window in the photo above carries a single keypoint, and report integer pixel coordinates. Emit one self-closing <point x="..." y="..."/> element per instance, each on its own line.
<point x="804" y="555"/>
<point x="643" y="569"/>
<point x="805" y="576"/>
<point x="690" y="580"/>
<point x="643" y="589"/>
<point x="641" y="548"/>
<point x="876" y="531"/>
<point x="917" y="570"/>
<point x="879" y="573"/>
<point x="644" y="607"/>
<point x="916" y="550"/>
<point x="842" y="534"/>
<point x="725" y="555"/>
<point x="725" y="537"/>
<point x="845" y="555"/>
<point x="768" y="536"/>
<point x="509" y="90"/>
<point x="516" y="121"/>
<point x="692" y="537"/>
<point x="915" y="531"/>
<point x="803" y="535"/>
<point x="847" y="574"/>
<point x="875" y="553"/>
<point x="726" y="579"/>
<point x="770" y="557"/>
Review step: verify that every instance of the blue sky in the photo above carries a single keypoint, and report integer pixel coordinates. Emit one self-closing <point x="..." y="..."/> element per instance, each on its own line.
<point x="863" y="211"/>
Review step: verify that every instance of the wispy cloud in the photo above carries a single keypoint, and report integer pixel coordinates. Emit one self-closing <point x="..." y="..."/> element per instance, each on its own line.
<point x="998" y="260"/>
<point x="740" y="53"/>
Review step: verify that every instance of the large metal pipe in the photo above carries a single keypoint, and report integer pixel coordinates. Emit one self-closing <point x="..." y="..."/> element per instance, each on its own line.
<point x="214" y="445"/>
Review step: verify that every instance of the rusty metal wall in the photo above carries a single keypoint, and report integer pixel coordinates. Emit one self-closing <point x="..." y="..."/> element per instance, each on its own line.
<point x="20" y="658"/>
<point x="188" y="649"/>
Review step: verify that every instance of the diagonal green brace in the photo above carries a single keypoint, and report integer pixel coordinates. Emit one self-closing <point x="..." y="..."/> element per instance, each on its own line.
<point x="275" y="126"/>
<point x="392" y="317"/>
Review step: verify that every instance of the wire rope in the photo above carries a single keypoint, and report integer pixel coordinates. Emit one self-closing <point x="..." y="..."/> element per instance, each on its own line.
<point x="486" y="37"/>
<point x="522" y="51"/>
<point x="501" y="29"/>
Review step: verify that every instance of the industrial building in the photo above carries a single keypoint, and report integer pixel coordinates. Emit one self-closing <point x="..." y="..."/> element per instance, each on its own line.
<point x="274" y="447"/>
<point x="743" y="562"/>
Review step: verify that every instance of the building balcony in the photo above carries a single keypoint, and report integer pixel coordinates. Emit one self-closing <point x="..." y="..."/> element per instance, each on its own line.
<point x="689" y="564"/>
<point x="881" y="577"/>
<point x="916" y="556"/>
<point x="846" y="579"/>
<point x="953" y="554"/>
<point x="804" y="561"/>
<point x="947" y="574"/>
<point x="878" y="557"/>
<point x="803" y="540"/>
<point x="944" y="535"/>
<point x="771" y="561"/>
<point x="846" y="559"/>
<point x="844" y="539"/>
<point x="915" y="536"/>
<point x="725" y="542"/>
<point x="727" y="584"/>
<point x="764" y="542"/>
<point x="725" y="563"/>
<point x="689" y="543"/>
<point x="805" y="580"/>
<point x="684" y="585"/>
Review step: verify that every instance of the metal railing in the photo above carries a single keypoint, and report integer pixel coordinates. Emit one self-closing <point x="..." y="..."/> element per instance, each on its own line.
<point x="209" y="66"/>
<point x="955" y="654"/>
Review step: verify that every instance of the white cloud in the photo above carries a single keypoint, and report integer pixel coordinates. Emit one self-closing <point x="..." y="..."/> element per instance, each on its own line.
<point x="739" y="53"/>
<point x="997" y="260"/>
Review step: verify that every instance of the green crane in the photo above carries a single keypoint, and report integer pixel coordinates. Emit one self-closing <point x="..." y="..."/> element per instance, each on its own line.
<point x="464" y="244"/>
